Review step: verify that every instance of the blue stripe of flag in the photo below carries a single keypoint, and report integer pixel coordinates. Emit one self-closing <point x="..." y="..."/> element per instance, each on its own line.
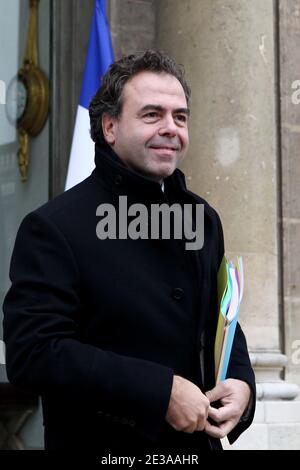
<point x="99" y="56"/>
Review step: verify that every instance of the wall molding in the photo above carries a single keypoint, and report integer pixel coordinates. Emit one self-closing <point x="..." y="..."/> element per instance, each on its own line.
<point x="70" y="26"/>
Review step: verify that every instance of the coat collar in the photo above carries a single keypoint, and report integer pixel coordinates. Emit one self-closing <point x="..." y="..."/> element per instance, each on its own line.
<point x="123" y="180"/>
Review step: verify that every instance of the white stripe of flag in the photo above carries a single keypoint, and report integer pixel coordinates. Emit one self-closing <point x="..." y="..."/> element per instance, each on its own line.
<point x="99" y="56"/>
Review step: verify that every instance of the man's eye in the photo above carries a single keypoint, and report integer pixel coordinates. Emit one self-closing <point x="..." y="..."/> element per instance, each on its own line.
<point x="153" y="114"/>
<point x="181" y="118"/>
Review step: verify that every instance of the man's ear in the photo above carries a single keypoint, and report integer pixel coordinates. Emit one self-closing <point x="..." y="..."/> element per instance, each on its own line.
<point x="108" y="128"/>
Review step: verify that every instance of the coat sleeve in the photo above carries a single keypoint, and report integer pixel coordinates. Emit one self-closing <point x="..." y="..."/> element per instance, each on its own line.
<point x="239" y="365"/>
<point x="44" y="351"/>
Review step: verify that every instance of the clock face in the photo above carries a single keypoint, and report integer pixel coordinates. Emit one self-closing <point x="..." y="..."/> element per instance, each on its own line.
<point x="16" y="100"/>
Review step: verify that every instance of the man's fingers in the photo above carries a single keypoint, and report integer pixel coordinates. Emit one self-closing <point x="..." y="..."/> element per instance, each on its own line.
<point x="201" y="424"/>
<point x="212" y="430"/>
<point x="190" y="429"/>
<point x="220" y="414"/>
<point x="215" y="393"/>
<point x="219" y="431"/>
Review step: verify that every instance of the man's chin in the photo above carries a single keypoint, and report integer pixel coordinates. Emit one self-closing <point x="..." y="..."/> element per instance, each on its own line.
<point x="159" y="173"/>
<point x="165" y="170"/>
<point x="159" y="177"/>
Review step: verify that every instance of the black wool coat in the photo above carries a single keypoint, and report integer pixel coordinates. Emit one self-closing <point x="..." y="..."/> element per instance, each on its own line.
<point x="98" y="327"/>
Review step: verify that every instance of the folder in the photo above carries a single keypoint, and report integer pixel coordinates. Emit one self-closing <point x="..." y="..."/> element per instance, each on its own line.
<point x="230" y="293"/>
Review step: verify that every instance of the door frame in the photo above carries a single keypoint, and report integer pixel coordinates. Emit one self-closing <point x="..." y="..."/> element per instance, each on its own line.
<point x="70" y="26"/>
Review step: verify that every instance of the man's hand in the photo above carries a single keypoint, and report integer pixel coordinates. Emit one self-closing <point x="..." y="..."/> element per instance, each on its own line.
<point x="234" y="396"/>
<point x="188" y="406"/>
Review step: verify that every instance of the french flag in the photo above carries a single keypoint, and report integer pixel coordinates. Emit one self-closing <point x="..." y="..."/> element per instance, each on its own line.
<point x="99" y="56"/>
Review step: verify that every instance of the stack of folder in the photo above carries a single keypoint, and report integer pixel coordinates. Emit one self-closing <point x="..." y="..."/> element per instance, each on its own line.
<point x="230" y="293"/>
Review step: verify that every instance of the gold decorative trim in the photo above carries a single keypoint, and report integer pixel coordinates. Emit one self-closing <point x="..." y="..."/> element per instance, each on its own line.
<point x="36" y="84"/>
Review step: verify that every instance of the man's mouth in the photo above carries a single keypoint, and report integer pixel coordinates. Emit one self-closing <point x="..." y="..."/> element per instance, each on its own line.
<point x="164" y="147"/>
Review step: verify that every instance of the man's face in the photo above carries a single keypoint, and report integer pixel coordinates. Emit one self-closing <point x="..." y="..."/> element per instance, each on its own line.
<point x="151" y="134"/>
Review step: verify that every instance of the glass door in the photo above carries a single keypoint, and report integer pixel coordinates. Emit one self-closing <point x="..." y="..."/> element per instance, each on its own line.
<point x="17" y="198"/>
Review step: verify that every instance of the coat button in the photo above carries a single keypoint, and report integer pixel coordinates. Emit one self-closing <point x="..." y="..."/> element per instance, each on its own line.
<point x="177" y="293"/>
<point x="118" y="180"/>
<point x="132" y="423"/>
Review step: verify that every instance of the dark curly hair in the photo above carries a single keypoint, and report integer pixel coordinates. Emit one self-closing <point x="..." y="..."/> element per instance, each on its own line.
<point x="108" y="98"/>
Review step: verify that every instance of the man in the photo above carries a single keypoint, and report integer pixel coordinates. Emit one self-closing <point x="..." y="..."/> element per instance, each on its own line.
<point x="109" y="329"/>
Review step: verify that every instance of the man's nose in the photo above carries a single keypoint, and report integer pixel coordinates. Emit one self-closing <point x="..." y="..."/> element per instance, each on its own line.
<point x="168" y="126"/>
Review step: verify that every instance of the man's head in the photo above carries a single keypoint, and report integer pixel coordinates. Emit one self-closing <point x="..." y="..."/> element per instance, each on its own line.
<point x="141" y="111"/>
